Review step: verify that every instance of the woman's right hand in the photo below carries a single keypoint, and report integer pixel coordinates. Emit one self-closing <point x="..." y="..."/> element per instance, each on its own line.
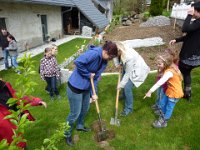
<point x="92" y="75"/>
<point x="94" y="97"/>
<point x="191" y="11"/>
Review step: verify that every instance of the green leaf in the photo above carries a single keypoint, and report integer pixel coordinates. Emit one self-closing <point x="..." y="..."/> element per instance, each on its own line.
<point x="14" y="122"/>
<point x="12" y="101"/>
<point x="3" y="144"/>
<point x="9" y="116"/>
<point x="23" y="119"/>
<point x="46" y="141"/>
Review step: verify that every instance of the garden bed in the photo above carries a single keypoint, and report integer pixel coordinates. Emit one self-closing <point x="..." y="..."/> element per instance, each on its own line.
<point x="167" y="33"/>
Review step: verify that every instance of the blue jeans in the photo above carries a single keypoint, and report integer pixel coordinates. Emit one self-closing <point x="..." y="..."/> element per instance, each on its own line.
<point x="167" y="106"/>
<point x="5" y="55"/>
<point x="79" y="106"/>
<point x="51" y="84"/>
<point x="160" y="94"/>
<point x="14" y="61"/>
<point x="128" y="94"/>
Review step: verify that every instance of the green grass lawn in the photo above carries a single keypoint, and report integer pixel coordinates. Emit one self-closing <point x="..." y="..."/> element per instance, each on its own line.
<point x="135" y="131"/>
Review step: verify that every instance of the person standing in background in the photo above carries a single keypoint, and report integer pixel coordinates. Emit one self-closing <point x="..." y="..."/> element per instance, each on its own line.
<point x="12" y="49"/>
<point x="189" y="57"/>
<point x="4" y="44"/>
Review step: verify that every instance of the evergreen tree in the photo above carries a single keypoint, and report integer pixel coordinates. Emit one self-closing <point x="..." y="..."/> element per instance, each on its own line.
<point x="156" y="7"/>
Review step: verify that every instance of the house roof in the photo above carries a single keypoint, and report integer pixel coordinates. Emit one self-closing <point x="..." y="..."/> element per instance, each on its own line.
<point x="85" y="6"/>
<point x="46" y="2"/>
<point x="92" y="13"/>
<point x="102" y="3"/>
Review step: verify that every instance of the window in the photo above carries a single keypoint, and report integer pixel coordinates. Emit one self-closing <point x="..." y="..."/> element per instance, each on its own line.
<point x="2" y="23"/>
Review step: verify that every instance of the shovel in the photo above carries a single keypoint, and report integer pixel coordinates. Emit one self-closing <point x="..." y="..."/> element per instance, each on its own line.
<point x="115" y="121"/>
<point x="101" y="135"/>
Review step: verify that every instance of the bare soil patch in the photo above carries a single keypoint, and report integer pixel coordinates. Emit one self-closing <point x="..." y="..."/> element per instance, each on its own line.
<point x="167" y="33"/>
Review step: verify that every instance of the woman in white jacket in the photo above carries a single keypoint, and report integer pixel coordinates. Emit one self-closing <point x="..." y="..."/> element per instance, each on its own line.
<point x="135" y="73"/>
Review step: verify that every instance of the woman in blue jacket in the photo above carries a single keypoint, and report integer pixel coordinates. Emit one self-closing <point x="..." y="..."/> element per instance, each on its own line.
<point x="90" y="64"/>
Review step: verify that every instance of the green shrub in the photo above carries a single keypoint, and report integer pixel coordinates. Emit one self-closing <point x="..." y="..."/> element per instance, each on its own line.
<point x="156" y="8"/>
<point x="166" y="13"/>
<point x="146" y="15"/>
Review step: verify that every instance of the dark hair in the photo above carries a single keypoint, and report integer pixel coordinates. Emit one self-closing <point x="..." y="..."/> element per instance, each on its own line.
<point x="111" y="48"/>
<point x="196" y="6"/>
<point x="11" y="37"/>
<point x="3" y="28"/>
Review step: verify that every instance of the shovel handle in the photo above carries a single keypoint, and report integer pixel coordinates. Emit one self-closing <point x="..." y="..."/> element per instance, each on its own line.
<point x="94" y="92"/>
<point x="118" y="90"/>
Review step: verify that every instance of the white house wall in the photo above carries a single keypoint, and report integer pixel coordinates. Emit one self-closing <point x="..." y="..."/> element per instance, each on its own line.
<point x="24" y="22"/>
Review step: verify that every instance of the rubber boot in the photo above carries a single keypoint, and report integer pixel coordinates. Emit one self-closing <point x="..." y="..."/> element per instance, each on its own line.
<point x="69" y="141"/>
<point x="187" y="93"/>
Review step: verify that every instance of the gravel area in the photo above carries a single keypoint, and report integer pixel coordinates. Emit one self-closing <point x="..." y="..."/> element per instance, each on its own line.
<point x="156" y="21"/>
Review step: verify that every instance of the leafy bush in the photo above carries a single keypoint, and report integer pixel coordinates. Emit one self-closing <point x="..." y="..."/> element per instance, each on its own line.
<point x="115" y="21"/>
<point x="146" y="15"/>
<point x="166" y="13"/>
<point x="156" y="8"/>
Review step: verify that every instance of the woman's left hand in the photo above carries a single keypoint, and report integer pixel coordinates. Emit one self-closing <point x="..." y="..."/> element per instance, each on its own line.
<point x="118" y="87"/>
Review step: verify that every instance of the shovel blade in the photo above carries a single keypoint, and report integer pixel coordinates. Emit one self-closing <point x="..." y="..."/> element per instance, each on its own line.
<point x="115" y="121"/>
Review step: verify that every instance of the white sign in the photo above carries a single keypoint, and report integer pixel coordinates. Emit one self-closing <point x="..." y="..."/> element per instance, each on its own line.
<point x="179" y="11"/>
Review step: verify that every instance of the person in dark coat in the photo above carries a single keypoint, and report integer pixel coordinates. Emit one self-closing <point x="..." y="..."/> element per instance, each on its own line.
<point x="190" y="52"/>
<point x="4" y="44"/>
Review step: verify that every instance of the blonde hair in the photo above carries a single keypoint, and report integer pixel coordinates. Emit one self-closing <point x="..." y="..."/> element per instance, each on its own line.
<point x="53" y="45"/>
<point x="168" y="61"/>
<point x="173" y="53"/>
<point x="120" y="47"/>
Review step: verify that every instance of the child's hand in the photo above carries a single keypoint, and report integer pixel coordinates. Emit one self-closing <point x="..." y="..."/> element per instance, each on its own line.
<point x="148" y="94"/>
<point x="44" y="104"/>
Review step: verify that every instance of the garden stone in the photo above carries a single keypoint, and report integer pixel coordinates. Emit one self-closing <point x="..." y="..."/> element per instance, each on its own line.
<point x="65" y="74"/>
<point x="86" y="31"/>
<point x="128" y="22"/>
